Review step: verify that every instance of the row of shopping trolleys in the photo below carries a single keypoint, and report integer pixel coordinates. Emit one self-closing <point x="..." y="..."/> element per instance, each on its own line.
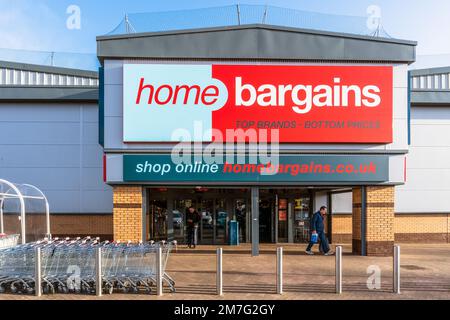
<point x="70" y="265"/>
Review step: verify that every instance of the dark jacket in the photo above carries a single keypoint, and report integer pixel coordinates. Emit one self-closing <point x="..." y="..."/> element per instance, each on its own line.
<point x="192" y="218"/>
<point x="317" y="223"/>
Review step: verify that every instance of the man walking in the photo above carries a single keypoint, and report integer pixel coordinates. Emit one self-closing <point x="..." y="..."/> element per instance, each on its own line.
<point x="192" y="219"/>
<point x="317" y="227"/>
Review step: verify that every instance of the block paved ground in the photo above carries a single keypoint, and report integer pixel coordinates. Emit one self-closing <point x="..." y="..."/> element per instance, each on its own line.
<point x="425" y="274"/>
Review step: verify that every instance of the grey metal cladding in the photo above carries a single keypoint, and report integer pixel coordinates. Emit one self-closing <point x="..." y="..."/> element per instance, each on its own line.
<point x="256" y="42"/>
<point x="54" y="146"/>
<point x="66" y="94"/>
<point x="434" y="98"/>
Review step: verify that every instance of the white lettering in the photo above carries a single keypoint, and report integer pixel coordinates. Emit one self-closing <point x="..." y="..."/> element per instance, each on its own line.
<point x="305" y="97"/>
<point x="240" y="89"/>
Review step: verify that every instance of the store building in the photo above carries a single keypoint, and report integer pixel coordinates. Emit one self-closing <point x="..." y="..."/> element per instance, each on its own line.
<point x="102" y="154"/>
<point x="338" y="101"/>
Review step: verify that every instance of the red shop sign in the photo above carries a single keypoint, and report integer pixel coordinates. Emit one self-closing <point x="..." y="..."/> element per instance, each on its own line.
<point x="305" y="104"/>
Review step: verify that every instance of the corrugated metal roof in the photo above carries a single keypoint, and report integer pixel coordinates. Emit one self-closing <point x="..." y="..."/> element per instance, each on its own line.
<point x="14" y="74"/>
<point x="430" y="87"/>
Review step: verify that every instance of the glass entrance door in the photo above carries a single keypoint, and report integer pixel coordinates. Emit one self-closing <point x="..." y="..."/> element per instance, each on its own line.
<point x="220" y="221"/>
<point x="216" y="207"/>
<point x="205" y="209"/>
<point x="283" y="216"/>
<point x="158" y="220"/>
<point x="206" y="226"/>
<point x="266" y="207"/>
<point x="240" y="210"/>
<point x="302" y="218"/>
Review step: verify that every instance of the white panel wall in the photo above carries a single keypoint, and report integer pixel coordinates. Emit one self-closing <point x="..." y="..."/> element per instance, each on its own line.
<point x="342" y="202"/>
<point x="320" y="199"/>
<point x="55" y="147"/>
<point x="427" y="187"/>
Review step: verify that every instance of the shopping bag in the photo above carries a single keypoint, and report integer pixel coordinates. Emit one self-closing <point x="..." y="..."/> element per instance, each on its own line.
<point x="314" y="237"/>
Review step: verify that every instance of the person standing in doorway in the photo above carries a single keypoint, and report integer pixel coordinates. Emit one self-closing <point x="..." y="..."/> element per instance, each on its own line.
<point x="192" y="219"/>
<point x="318" y="227"/>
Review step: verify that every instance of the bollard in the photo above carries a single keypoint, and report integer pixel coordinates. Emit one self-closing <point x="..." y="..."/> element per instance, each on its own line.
<point x="159" y="272"/>
<point x="98" y="272"/>
<point x="37" y="272"/>
<point x="279" y="270"/>
<point x="338" y="269"/>
<point x="219" y="276"/>
<point x="175" y="243"/>
<point x="396" y="269"/>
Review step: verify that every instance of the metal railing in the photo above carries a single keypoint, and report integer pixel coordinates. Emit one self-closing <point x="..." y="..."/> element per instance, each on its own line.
<point x="240" y="14"/>
<point x="338" y="270"/>
<point x="115" y="264"/>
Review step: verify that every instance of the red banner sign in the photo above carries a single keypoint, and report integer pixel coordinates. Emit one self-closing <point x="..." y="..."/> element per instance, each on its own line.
<point x="320" y="104"/>
<point x="304" y="104"/>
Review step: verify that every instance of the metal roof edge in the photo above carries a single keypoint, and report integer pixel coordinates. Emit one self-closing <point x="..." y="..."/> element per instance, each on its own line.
<point x="49" y="69"/>
<point x="257" y="26"/>
<point x="48" y="94"/>
<point x="430" y="71"/>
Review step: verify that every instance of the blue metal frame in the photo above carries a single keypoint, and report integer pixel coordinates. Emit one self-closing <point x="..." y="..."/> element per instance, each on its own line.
<point x="409" y="107"/>
<point x="101" y="107"/>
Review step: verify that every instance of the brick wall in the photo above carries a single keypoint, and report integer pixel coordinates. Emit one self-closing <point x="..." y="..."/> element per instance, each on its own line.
<point x="63" y="225"/>
<point x="431" y="228"/>
<point x="379" y="220"/>
<point x="342" y="228"/>
<point x="408" y="228"/>
<point x="127" y="213"/>
<point x="82" y="225"/>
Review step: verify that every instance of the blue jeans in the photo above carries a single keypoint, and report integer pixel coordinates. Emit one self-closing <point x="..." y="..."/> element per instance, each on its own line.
<point x="323" y="243"/>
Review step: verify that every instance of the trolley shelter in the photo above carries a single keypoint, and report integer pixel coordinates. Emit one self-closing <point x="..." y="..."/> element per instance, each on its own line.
<point x="24" y="210"/>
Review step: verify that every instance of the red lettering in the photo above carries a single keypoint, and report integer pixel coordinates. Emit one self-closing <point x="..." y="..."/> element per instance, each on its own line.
<point x="141" y="88"/>
<point x="227" y="167"/>
<point x="167" y="94"/>
<point x="187" y="90"/>
<point x="158" y="94"/>
<point x="214" y="94"/>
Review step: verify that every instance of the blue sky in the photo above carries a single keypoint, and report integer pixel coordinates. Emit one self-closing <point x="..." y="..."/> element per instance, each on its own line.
<point x="41" y="24"/>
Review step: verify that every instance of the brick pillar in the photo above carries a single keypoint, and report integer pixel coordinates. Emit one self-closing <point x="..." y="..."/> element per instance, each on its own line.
<point x="127" y="213"/>
<point x="379" y="220"/>
<point x="356" y="221"/>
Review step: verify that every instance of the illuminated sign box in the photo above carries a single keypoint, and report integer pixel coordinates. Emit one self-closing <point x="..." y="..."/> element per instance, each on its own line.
<point x="289" y="168"/>
<point x="293" y="104"/>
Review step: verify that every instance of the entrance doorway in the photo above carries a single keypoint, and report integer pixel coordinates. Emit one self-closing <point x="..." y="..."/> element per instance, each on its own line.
<point x="284" y="214"/>
<point x="166" y="214"/>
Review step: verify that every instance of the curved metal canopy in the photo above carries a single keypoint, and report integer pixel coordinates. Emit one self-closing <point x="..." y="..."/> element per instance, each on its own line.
<point x="22" y="193"/>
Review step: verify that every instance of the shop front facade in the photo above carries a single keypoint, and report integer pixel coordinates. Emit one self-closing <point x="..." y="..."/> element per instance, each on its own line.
<point x="256" y="124"/>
